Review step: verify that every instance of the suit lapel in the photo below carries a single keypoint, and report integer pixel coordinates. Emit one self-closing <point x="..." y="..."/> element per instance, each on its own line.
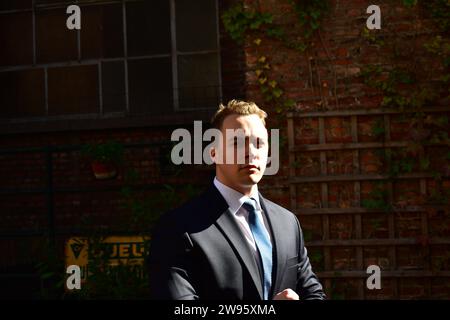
<point x="278" y="242"/>
<point x="231" y="230"/>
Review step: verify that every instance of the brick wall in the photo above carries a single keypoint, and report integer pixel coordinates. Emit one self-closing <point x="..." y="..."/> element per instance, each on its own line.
<point x="327" y="77"/>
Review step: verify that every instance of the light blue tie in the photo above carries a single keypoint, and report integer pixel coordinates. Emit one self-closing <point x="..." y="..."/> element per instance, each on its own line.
<point x="262" y="242"/>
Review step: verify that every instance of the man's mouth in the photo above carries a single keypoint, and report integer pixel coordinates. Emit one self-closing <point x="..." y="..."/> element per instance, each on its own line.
<point x="250" y="166"/>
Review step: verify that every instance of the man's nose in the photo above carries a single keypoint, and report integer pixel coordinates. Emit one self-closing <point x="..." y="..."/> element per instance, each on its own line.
<point x="251" y="152"/>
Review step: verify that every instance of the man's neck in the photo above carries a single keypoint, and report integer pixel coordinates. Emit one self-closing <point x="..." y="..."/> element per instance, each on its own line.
<point x="250" y="191"/>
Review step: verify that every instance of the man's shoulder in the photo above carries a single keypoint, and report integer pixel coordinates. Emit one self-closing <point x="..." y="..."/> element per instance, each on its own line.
<point x="278" y="210"/>
<point x="195" y="212"/>
<point x="186" y="210"/>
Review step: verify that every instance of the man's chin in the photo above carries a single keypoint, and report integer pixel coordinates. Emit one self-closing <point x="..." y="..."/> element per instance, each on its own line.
<point x="252" y="179"/>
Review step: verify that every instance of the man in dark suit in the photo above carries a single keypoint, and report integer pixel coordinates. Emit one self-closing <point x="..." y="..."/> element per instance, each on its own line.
<point x="230" y="242"/>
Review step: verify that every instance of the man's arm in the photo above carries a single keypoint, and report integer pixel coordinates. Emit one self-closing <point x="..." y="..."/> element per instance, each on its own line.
<point x="308" y="285"/>
<point x="170" y="264"/>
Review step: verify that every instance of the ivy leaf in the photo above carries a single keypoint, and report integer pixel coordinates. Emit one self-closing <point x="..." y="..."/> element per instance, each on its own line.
<point x="277" y="92"/>
<point x="277" y="33"/>
<point x="424" y="163"/>
<point x="268" y="97"/>
<point x="47" y="275"/>
<point x="386" y="101"/>
<point x="409" y="3"/>
<point x="315" y="14"/>
<point x="266" y="18"/>
<point x="255" y="25"/>
<point x="314" y="25"/>
<point x="407" y="166"/>
<point x="289" y="103"/>
<point x="273" y="83"/>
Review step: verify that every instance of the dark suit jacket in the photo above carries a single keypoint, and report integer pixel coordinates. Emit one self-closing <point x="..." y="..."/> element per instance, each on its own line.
<point x="199" y="252"/>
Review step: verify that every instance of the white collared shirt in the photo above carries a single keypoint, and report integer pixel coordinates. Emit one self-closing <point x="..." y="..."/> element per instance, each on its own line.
<point x="235" y="200"/>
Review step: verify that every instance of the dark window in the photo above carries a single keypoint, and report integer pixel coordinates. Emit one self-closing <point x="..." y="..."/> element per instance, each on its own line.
<point x="54" y="41"/>
<point x="198" y="80"/>
<point x="16" y="39"/>
<point x="196" y="25"/>
<point x="50" y="2"/>
<point x="156" y="57"/>
<point x="148" y="27"/>
<point x="113" y="86"/>
<point x="73" y="90"/>
<point x="31" y="100"/>
<point x="102" y="32"/>
<point x="15" y="4"/>
<point x="150" y="85"/>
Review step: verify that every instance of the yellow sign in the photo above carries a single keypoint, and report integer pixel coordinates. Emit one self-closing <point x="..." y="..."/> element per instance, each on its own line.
<point x="114" y="250"/>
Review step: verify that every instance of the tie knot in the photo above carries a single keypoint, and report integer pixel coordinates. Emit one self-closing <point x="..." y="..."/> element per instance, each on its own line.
<point x="250" y="205"/>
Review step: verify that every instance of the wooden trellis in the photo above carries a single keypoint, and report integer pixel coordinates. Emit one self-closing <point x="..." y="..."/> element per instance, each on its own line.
<point x="357" y="211"/>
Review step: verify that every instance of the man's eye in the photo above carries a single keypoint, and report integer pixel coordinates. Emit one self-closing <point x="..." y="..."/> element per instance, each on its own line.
<point x="260" y="143"/>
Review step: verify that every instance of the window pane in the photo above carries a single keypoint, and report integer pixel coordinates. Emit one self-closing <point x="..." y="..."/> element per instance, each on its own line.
<point x="196" y="25"/>
<point x="113" y="87"/>
<point x="22" y="93"/>
<point x="198" y="81"/>
<point x="14" y="4"/>
<point x="54" y="41"/>
<point x="16" y="39"/>
<point x="73" y="90"/>
<point x="148" y="27"/>
<point x="59" y="2"/>
<point x="102" y="31"/>
<point x="150" y="84"/>
<point x="51" y="2"/>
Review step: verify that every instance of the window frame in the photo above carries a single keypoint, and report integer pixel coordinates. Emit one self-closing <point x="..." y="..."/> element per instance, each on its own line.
<point x="116" y="118"/>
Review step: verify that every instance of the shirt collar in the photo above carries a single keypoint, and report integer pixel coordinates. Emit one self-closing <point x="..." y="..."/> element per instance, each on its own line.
<point x="234" y="198"/>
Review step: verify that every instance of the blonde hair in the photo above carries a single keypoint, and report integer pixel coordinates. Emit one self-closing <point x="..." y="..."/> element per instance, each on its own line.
<point x="237" y="107"/>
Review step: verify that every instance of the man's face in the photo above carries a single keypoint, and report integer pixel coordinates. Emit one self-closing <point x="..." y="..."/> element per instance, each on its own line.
<point x="245" y="175"/>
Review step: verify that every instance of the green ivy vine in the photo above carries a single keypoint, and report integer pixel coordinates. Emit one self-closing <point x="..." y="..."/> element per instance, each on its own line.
<point x="248" y="24"/>
<point x="398" y="81"/>
<point x="402" y="86"/>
